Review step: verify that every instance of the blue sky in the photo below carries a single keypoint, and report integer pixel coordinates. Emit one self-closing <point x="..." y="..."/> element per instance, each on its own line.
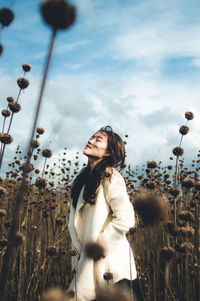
<point x="134" y="65"/>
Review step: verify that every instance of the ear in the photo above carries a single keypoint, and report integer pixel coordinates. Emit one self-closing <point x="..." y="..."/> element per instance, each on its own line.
<point x="107" y="154"/>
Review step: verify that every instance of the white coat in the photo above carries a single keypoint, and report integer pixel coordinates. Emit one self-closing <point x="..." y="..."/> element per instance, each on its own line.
<point x="106" y="222"/>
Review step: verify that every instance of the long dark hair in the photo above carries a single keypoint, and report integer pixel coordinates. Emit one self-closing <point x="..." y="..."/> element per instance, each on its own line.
<point x="91" y="178"/>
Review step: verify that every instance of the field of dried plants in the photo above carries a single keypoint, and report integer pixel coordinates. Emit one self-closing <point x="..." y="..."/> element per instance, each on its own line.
<point x="35" y="248"/>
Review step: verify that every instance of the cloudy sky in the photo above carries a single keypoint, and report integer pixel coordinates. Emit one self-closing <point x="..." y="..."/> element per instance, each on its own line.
<point x="131" y="64"/>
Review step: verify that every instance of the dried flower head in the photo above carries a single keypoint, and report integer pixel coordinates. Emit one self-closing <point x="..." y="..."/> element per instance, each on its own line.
<point x="168" y="253"/>
<point x="59" y="14"/>
<point x="6" y="138"/>
<point x="151" y="185"/>
<point x="187" y="216"/>
<point x="22" y="82"/>
<point x="186" y="246"/>
<point x="94" y="250"/>
<point x="59" y="221"/>
<point x="189" y="115"/>
<point x="52" y="251"/>
<point x="37" y="171"/>
<point x="26" y="67"/>
<point x="151" y="206"/>
<point x="28" y="168"/>
<point x="10" y="99"/>
<point x="54" y="294"/>
<point x="6" y="16"/>
<point x="47" y="153"/>
<point x="175" y="191"/>
<point x="184" y="130"/>
<point x="40" y="131"/>
<point x="188" y="183"/>
<point x="2" y="191"/>
<point x="5" y="113"/>
<point x="41" y="183"/>
<point x="178" y="151"/>
<point x="35" y="144"/>
<point x="172" y="228"/>
<point x="19" y="239"/>
<point x="14" y="107"/>
<point x="151" y="164"/>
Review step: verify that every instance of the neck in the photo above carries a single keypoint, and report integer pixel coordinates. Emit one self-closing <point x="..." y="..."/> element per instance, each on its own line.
<point x="93" y="162"/>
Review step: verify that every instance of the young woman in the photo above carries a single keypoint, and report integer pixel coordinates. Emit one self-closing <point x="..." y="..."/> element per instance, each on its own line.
<point x="101" y="212"/>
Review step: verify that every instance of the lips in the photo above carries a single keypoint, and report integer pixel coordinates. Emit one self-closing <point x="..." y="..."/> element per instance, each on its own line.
<point x="88" y="146"/>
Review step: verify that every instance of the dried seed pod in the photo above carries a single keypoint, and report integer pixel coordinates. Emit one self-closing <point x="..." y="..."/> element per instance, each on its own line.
<point x="2" y="212"/>
<point x="5" y="113"/>
<point x="22" y="83"/>
<point x="59" y="14"/>
<point x="187" y="231"/>
<point x="26" y="67"/>
<point x="19" y="239"/>
<point x="2" y="191"/>
<point x="151" y="206"/>
<point x="175" y="191"/>
<point x="47" y="153"/>
<point x="40" y="131"/>
<point x="94" y="250"/>
<point x="108" y="276"/>
<point x="37" y="171"/>
<point x="178" y="151"/>
<point x="188" y="183"/>
<point x="1" y="49"/>
<point x="6" y="138"/>
<point x="52" y="251"/>
<point x="172" y="228"/>
<point x="14" y="107"/>
<point x="184" y="130"/>
<point x="10" y="99"/>
<point x="28" y="168"/>
<point x="151" y="185"/>
<point x="189" y="115"/>
<point x="168" y="253"/>
<point x="6" y="16"/>
<point x="187" y="216"/>
<point x="151" y="164"/>
<point x="35" y="144"/>
<point x="41" y="183"/>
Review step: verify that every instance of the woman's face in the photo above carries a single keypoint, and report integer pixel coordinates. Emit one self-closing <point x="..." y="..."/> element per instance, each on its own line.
<point x="97" y="146"/>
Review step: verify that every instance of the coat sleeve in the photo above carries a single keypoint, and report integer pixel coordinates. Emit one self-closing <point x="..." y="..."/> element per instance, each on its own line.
<point x="76" y="244"/>
<point x="123" y="216"/>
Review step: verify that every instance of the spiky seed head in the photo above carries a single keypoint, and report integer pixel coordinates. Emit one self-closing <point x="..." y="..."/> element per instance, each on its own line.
<point x="59" y="14"/>
<point x="6" y="16"/>
<point x="189" y="115"/>
<point x="41" y="183"/>
<point x="2" y="191"/>
<point x="151" y="206"/>
<point x="14" y="107"/>
<point x="188" y="183"/>
<point x="184" y="130"/>
<point x="47" y="153"/>
<point x="187" y="216"/>
<point x="94" y="250"/>
<point x="40" y="131"/>
<point x="26" y="67"/>
<point x="10" y="99"/>
<point x="178" y="151"/>
<point x="151" y="164"/>
<point x="22" y="82"/>
<point x="35" y="144"/>
<point x="5" y="113"/>
<point x="6" y="138"/>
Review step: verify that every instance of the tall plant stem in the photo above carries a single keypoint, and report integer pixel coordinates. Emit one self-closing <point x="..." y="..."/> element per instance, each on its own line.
<point x="6" y="263"/>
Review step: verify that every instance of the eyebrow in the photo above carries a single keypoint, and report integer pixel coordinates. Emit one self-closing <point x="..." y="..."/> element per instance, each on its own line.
<point x="97" y="136"/>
